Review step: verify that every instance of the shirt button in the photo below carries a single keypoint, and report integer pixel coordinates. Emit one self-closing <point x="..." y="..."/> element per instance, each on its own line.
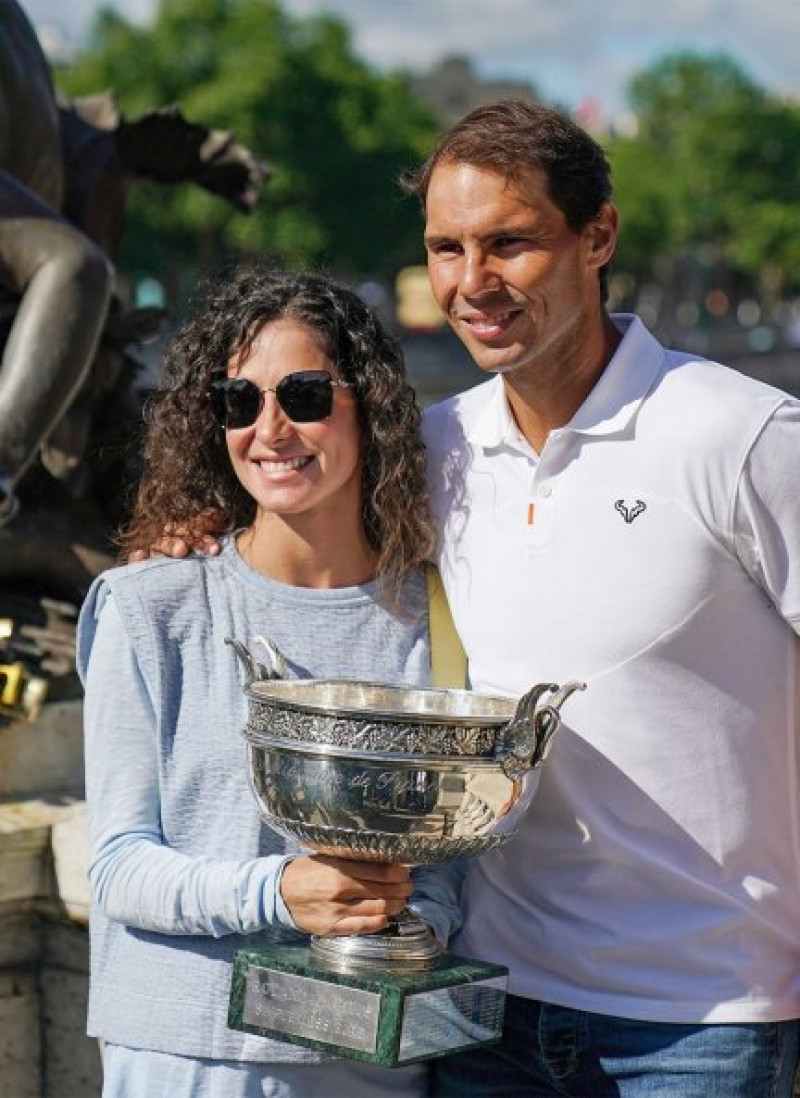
<point x="545" y="491"/>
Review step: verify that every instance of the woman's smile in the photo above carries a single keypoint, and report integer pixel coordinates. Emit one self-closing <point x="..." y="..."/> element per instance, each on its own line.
<point x="277" y="467"/>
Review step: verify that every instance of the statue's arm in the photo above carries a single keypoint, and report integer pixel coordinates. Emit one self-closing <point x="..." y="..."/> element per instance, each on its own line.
<point x="61" y="283"/>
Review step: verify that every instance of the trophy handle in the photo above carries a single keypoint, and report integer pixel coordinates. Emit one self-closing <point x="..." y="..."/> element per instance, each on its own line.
<point x="254" y="671"/>
<point x="525" y="741"/>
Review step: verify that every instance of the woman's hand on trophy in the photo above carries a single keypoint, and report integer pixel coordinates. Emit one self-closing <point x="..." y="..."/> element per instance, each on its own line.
<point x="327" y="895"/>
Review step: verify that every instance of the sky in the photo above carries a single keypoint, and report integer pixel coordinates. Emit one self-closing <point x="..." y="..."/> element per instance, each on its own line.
<point x="573" y="51"/>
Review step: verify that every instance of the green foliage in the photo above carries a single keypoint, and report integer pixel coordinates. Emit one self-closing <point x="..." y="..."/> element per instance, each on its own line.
<point x="767" y="238"/>
<point x="642" y="188"/>
<point x="713" y="167"/>
<point x="681" y="88"/>
<point x="336" y="134"/>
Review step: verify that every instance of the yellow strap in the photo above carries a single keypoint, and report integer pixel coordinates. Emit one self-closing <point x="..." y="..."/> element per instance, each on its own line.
<point x="448" y="658"/>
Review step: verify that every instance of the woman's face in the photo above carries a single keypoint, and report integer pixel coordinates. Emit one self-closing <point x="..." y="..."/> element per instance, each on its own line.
<point x="293" y="469"/>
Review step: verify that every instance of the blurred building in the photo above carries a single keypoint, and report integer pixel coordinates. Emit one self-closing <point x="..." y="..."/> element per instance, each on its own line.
<point x="452" y="88"/>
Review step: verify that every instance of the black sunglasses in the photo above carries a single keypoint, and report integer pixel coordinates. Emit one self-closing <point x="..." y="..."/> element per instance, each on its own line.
<point x="305" y="397"/>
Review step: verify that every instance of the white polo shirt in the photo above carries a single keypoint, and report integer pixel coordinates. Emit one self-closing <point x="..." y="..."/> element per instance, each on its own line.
<point x="653" y="550"/>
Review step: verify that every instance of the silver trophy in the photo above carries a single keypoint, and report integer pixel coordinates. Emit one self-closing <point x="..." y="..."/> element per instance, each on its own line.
<point x="394" y="774"/>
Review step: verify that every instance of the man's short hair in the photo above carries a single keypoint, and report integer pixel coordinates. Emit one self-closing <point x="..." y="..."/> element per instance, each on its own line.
<point x="511" y="137"/>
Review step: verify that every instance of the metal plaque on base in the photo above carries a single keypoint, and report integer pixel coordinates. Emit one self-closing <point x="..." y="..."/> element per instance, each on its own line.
<point x="387" y="1018"/>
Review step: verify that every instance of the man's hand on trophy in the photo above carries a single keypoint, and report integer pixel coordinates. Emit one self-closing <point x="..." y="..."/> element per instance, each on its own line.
<point x="328" y="895"/>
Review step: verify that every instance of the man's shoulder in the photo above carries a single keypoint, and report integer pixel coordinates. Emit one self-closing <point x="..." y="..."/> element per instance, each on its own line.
<point x="691" y="373"/>
<point x="457" y="412"/>
<point x="717" y="386"/>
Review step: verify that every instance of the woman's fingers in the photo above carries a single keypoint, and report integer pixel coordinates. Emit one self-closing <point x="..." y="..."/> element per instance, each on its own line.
<point x="358" y="924"/>
<point x="331" y="895"/>
<point x="378" y="874"/>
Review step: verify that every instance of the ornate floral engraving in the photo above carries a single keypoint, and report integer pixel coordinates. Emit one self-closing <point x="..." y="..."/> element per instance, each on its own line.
<point x="293" y="726"/>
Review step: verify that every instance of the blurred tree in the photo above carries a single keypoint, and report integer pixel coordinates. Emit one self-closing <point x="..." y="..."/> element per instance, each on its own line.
<point x="711" y="171"/>
<point x="645" y="192"/>
<point x="336" y="134"/>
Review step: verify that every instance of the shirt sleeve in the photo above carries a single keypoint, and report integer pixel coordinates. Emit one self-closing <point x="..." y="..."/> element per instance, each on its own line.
<point x="766" y="519"/>
<point x="136" y="878"/>
<point x="436" y="896"/>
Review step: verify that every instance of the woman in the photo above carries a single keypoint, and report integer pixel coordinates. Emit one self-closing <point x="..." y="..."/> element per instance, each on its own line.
<point x="287" y="421"/>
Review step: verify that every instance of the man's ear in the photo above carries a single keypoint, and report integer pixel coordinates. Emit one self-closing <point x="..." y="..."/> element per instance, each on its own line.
<point x="601" y="235"/>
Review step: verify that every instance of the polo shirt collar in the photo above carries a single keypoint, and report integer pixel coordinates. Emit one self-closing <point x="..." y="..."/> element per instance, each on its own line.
<point x="608" y="408"/>
<point x="625" y="382"/>
<point x="495" y="426"/>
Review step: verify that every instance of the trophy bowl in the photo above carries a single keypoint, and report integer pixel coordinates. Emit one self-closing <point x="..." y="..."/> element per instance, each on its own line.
<point x="386" y="773"/>
<point x="375" y="772"/>
<point x="383" y="773"/>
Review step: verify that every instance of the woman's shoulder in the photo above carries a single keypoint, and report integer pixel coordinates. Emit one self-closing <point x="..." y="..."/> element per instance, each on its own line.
<point x="156" y="598"/>
<point x="159" y="573"/>
<point x="157" y="581"/>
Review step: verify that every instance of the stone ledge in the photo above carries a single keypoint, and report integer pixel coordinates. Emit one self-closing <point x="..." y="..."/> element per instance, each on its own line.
<point x="45" y="756"/>
<point x="44" y="856"/>
<point x="70" y="846"/>
<point x="20" y="938"/>
<point x="20" y="1035"/>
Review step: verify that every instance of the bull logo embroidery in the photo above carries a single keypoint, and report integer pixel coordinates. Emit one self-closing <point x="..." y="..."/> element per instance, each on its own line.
<point x="630" y="513"/>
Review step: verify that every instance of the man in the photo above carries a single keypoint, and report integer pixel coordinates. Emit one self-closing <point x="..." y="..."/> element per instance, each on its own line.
<point x="626" y="515"/>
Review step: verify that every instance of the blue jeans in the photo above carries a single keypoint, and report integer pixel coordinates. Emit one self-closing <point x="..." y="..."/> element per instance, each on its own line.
<point x="553" y="1052"/>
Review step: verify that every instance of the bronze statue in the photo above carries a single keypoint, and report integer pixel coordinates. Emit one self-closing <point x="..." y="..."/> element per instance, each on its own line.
<point x="65" y="169"/>
<point x="56" y="280"/>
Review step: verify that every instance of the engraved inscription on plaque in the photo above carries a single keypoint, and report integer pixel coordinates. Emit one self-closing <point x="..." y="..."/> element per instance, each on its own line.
<point x="302" y="1007"/>
<point x="452" y="1017"/>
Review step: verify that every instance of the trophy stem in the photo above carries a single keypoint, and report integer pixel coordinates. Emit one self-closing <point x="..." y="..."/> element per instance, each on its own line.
<point x="406" y="945"/>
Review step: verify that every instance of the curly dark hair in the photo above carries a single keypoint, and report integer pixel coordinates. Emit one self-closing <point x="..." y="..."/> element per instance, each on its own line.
<point x="188" y="480"/>
<point x="510" y="137"/>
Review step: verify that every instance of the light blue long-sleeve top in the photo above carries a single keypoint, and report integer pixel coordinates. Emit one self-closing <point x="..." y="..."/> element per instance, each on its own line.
<point x="183" y="870"/>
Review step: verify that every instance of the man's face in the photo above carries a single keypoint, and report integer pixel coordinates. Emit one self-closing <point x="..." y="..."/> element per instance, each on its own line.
<point x="516" y="284"/>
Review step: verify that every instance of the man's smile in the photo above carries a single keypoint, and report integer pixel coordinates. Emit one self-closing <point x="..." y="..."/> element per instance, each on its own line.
<point x="488" y="326"/>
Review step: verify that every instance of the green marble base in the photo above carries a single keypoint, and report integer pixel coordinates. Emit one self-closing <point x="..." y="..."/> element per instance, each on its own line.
<point x="383" y="1018"/>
